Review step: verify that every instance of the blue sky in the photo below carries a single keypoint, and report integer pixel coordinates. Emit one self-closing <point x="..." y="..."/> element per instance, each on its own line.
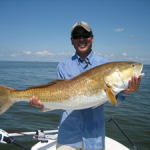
<point x="39" y="30"/>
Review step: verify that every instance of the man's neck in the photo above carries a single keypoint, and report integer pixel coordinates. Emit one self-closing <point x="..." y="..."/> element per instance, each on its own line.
<point x="84" y="55"/>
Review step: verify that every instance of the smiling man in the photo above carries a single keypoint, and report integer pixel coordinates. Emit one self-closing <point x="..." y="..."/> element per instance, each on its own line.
<point x="83" y="129"/>
<point x="82" y="39"/>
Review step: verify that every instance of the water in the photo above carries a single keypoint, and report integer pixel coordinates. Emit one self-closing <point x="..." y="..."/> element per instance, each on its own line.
<point x="133" y="116"/>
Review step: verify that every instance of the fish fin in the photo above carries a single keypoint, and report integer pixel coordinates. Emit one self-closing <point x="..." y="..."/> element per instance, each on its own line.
<point x="111" y="96"/>
<point x="99" y="104"/>
<point x="5" y="102"/>
<point x="48" y="84"/>
<point x="44" y="110"/>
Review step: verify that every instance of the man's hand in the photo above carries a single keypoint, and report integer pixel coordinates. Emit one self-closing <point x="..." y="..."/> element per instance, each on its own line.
<point x="133" y="85"/>
<point x="35" y="102"/>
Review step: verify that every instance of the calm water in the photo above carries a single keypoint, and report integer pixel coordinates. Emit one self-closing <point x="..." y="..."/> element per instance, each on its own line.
<point x="133" y="116"/>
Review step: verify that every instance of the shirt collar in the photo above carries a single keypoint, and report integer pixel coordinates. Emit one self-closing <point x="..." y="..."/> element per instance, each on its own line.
<point x="89" y="58"/>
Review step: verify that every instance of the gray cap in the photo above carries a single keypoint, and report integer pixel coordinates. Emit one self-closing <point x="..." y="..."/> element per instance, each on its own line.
<point x="82" y="24"/>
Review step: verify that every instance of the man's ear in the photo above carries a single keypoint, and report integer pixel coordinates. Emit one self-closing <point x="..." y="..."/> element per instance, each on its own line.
<point x="92" y="38"/>
<point x="71" y="41"/>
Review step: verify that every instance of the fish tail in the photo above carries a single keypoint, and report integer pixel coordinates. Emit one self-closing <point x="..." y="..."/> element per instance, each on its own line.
<point x="5" y="102"/>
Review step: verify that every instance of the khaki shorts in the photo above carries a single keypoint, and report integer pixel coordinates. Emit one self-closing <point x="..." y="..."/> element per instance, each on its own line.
<point x="66" y="147"/>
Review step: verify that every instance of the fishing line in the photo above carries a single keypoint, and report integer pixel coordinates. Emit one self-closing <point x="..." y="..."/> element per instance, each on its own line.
<point x="18" y="133"/>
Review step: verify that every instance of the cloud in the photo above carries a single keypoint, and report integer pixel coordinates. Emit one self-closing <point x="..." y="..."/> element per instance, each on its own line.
<point x="132" y="35"/>
<point x="125" y="57"/>
<point x="27" y="53"/>
<point x="44" y="53"/>
<point x="145" y="59"/>
<point x="130" y="58"/>
<point x="66" y="54"/>
<point x="56" y="57"/>
<point x="97" y="53"/>
<point x="119" y="30"/>
<point x="15" y="54"/>
<point x="4" y="50"/>
<point x="111" y="56"/>
<point x="124" y="54"/>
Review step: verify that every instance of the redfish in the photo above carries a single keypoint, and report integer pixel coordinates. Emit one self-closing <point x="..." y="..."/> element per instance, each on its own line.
<point x="89" y="89"/>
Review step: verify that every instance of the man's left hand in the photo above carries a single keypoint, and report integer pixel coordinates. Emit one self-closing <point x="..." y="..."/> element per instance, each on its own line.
<point x="133" y="85"/>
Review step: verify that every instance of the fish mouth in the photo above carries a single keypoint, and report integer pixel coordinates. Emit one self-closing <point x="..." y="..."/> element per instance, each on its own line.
<point x="140" y="73"/>
<point x="138" y="69"/>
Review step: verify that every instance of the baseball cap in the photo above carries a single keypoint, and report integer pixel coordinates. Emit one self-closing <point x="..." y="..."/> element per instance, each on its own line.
<point x="82" y="24"/>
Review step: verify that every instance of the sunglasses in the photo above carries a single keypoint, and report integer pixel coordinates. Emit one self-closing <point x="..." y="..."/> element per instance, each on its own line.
<point x="83" y="35"/>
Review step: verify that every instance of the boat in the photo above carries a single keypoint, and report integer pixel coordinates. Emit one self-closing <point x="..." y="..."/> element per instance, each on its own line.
<point x="48" y="140"/>
<point x="110" y="144"/>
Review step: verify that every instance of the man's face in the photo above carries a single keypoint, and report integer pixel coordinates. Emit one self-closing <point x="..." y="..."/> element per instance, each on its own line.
<point x="82" y="45"/>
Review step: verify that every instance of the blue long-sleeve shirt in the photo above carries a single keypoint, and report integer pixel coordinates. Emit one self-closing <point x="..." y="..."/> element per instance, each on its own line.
<point x="87" y="125"/>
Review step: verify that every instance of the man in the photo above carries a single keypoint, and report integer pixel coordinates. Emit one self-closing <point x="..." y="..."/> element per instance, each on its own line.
<point x="83" y="129"/>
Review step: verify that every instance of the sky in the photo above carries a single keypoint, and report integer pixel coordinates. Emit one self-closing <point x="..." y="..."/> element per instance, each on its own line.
<point x="40" y="30"/>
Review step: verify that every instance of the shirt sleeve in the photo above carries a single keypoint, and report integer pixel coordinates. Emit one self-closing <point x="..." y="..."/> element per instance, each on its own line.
<point x="121" y="97"/>
<point x="60" y="71"/>
<point x="59" y="74"/>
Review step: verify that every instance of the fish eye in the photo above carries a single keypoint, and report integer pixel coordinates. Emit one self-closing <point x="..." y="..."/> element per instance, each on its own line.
<point x="132" y="65"/>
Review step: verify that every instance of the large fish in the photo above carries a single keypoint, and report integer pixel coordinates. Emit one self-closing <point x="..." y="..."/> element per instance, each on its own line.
<point x="89" y="89"/>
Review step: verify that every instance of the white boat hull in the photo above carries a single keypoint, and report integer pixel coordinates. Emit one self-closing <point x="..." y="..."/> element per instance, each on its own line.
<point x="51" y="145"/>
<point x="110" y="144"/>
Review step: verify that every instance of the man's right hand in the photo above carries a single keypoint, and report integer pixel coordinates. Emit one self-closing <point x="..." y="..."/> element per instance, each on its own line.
<point x="35" y="102"/>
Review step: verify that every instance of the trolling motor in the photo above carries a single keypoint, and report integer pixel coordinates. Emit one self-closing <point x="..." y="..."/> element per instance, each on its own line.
<point x="6" y="139"/>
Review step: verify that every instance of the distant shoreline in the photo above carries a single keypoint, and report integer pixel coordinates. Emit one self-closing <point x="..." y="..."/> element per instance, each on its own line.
<point x="27" y="61"/>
